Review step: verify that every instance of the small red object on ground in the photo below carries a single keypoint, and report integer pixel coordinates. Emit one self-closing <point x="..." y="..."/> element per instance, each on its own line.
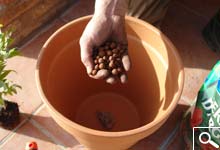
<point x="31" y="146"/>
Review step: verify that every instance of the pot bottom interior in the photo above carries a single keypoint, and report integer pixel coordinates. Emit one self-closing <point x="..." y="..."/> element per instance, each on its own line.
<point x="108" y="111"/>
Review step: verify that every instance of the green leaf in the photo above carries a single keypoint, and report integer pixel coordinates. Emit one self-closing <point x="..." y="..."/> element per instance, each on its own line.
<point x="3" y="87"/>
<point x="2" y="102"/>
<point x="2" y="59"/>
<point x="17" y="86"/>
<point x="4" y="74"/>
<point x="9" y="91"/>
<point x="2" y="42"/>
<point x="13" y="90"/>
<point x="6" y="86"/>
<point x="3" y="53"/>
<point x="12" y="52"/>
<point x="8" y="40"/>
<point x="2" y="66"/>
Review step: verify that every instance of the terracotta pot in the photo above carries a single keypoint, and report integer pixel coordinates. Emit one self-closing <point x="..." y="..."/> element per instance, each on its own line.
<point x="138" y="108"/>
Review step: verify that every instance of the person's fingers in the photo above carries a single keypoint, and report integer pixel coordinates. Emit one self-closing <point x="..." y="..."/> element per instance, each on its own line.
<point x="86" y="55"/>
<point x="126" y="62"/>
<point x="123" y="78"/>
<point x="111" y="80"/>
<point x="101" y="74"/>
<point x="87" y="61"/>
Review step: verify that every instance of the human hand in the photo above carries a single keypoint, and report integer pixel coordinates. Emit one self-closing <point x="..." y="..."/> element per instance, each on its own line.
<point x="103" y="27"/>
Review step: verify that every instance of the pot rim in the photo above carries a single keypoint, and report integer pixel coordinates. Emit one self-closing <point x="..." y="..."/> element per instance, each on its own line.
<point x="77" y="126"/>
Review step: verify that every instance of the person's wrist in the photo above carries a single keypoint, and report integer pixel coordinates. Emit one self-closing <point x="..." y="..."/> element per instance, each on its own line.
<point x="111" y="7"/>
<point x="103" y="8"/>
<point x="118" y="18"/>
<point x="120" y="7"/>
<point x="118" y="27"/>
<point x="102" y="14"/>
<point x="102" y="18"/>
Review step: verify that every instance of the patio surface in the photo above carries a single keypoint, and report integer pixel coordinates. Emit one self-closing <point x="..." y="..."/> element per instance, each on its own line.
<point x="183" y="24"/>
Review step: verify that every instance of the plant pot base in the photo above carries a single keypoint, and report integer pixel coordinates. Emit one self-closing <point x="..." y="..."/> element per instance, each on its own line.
<point x="9" y="115"/>
<point x="124" y="114"/>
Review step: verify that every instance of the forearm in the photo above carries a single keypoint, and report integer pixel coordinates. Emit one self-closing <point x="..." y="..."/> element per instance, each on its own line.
<point x="111" y="7"/>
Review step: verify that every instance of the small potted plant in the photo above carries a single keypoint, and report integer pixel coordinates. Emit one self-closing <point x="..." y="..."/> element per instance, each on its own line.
<point x="9" y="111"/>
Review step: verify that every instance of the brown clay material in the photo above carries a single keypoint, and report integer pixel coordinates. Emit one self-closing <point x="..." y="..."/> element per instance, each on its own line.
<point x="9" y="115"/>
<point x="106" y="119"/>
<point x="114" y="104"/>
<point x="138" y="107"/>
<point x="112" y="63"/>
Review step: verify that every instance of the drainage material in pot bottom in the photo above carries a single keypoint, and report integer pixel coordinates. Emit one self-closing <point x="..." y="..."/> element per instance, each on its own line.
<point x="123" y="113"/>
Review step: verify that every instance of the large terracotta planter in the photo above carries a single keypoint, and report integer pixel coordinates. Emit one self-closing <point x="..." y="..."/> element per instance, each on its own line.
<point x="139" y="107"/>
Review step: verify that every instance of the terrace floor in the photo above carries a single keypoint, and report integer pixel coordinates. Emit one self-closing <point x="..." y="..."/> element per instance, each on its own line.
<point x="183" y="24"/>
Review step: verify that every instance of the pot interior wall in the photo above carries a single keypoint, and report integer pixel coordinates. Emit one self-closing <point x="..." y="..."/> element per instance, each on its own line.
<point x="145" y="97"/>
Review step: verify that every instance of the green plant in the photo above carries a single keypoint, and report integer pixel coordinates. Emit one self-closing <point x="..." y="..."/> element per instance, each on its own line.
<point x="7" y="87"/>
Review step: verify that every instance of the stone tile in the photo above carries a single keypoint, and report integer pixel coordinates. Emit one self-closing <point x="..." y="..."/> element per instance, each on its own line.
<point x="6" y="132"/>
<point x="32" y="47"/>
<point x="178" y="143"/>
<point x="184" y="30"/>
<point x="79" y="9"/>
<point x="194" y="79"/>
<point x="45" y="120"/>
<point x="158" y="140"/>
<point x="185" y="101"/>
<point x="28" y="98"/>
<point x="26" y="134"/>
<point x="205" y="8"/>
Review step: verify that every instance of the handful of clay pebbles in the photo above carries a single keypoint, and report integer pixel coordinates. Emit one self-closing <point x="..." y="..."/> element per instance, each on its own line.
<point x="109" y="56"/>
